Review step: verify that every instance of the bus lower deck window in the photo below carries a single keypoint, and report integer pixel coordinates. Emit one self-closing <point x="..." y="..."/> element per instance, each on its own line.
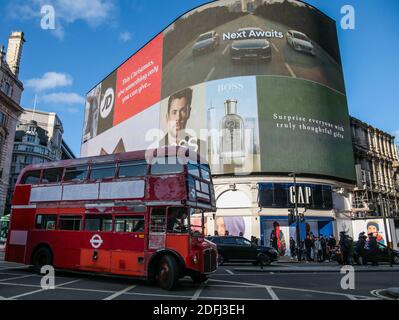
<point x="98" y="223"/>
<point x="73" y="223"/>
<point x="129" y="224"/>
<point x="46" y="222"/>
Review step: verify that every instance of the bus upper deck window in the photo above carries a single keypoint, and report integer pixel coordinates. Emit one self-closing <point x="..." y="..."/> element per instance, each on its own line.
<point x="52" y="175"/>
<point x="102" y="171"/>
<point x="76" y="173"/>
<point x="132" y="169"/>
<point x="166" y="166"/>
<point x="32" y="177"/>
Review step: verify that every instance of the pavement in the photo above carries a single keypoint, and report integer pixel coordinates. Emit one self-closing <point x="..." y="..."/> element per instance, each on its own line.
<point x="285" y="265"/>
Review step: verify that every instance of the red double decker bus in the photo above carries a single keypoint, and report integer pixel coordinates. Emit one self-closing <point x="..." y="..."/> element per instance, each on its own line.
<point x="138" y="214"/>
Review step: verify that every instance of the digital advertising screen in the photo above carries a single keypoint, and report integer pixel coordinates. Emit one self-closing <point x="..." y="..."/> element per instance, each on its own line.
<point x="254" y="89"/>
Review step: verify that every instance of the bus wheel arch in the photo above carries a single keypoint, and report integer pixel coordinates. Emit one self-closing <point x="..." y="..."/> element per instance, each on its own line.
<point x="168" y="257"/>
<point x="42" y="255"/>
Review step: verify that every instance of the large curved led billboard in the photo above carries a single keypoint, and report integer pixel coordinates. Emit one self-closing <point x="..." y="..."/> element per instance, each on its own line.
<point x="254" y="86"/>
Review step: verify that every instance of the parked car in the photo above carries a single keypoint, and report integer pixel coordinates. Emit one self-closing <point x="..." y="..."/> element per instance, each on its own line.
<point x="250" y="49"/>
<point x="382" y="255"/>
<point x="239" y="249"/>
<point x="300" y="42"/>
<point x="206" y="42"/>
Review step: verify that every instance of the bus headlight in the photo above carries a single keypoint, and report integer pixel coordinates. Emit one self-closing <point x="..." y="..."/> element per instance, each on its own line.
<point x="195" y="259"/>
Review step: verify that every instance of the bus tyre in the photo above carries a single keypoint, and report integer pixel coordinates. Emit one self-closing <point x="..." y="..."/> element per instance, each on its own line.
<point x="168" y="273"/>
<point x="263" y="260"/>
<point x="42" y="257"/>
<point x="199" y="277"/>
<point x="220" y="259"/>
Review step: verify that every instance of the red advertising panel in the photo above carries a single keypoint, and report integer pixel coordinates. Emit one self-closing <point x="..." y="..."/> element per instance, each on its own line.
<point x="138" y="84"/>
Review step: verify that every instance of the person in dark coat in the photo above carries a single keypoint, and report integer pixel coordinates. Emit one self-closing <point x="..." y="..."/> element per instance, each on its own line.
<point x="323" y="242"/>
<point x="373" y="249"/>
<point x="308" y="247"/>
<point x="292" y="247"/>
<point x="361" y="243"/>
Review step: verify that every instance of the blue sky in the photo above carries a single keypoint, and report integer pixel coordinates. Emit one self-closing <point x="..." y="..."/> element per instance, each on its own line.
<point x="94" y="36"/>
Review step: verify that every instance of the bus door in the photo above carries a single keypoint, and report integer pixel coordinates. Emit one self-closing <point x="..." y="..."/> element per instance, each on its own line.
<point x="157" y="229"/>
<point x="128" y="244"/>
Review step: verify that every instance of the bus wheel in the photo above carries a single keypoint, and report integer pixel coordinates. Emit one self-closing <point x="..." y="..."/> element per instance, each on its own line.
<point x="199" y="277"/>
<point x="42" y="257"/>
<point x="167" y="274"/>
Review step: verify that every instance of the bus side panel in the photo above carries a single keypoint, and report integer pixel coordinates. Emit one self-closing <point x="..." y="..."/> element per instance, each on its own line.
<point x="167" y="188"/>
<point x="180" y="244"/>
<point x="21" y="195"/>
<point x="47" y="237"/>
<point x="22" y="220"/>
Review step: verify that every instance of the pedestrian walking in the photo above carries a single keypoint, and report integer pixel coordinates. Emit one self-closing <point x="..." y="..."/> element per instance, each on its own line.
<point x="323" y="242"/>
<point x="292" y="248"/>
<point x="317" y="249"/>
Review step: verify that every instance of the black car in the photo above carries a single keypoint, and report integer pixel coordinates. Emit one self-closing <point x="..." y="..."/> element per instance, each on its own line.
<point x="239" y="249"/>
<point x="382" y="255"/>
<point x="250" y="49"/>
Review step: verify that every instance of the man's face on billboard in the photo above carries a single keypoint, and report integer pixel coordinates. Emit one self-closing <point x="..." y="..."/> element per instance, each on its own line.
<point x="177" y="117"/>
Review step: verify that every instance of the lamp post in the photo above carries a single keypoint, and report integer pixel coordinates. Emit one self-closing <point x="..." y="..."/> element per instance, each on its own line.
<point x="298" y="237"/>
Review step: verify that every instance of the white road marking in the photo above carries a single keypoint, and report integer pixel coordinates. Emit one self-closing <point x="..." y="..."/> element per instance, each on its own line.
<point x="117" y="294"/>
<point x="229" y="271"/>
<point x="293" y="289"/>
<point x="275" y="47"/>
<point x="14" y="278"/>
<point x="272" y="293"/>
<point x="290" y="70"/>
<point x="225" y="50"/>
<point x="209" y="74"/>
<point x="199" y="290"/>
<point x="37" y="291"/>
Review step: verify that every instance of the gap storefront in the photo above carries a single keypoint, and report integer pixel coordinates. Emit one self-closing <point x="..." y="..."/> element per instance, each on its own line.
<point x="315" y="202"/>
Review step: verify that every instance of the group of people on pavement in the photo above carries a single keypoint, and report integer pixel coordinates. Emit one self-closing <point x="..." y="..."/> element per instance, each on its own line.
<point x="367" y="249"/>
<point x="313" y="248"/>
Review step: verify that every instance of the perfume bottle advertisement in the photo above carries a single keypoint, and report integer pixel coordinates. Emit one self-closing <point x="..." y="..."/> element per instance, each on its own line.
<point x="233" y="131"/>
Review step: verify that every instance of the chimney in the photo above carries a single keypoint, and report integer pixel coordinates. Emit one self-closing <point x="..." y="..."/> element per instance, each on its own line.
<point x="14" y="51"/>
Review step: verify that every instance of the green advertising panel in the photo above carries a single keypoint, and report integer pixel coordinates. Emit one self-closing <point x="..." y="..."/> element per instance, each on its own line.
<point x="304" y="128"/>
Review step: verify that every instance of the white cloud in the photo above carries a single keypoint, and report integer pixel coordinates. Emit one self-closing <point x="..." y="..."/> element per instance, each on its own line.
<point x="50" y="80"/>
<point x="93" y="12"/>
<point x="63" y="98"/>
<point x="125" y="36"/>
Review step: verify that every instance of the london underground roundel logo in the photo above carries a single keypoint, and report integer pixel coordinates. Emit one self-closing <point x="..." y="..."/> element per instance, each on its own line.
<point x="96" y="241"/>
<point x="107" y="103"/>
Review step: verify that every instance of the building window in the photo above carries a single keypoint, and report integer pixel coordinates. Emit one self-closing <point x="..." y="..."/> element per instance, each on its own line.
<point x="5" y="88"/>
<point x="2" y="119"/>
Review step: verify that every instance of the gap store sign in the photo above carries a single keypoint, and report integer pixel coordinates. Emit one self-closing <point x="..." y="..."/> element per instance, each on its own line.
<point x="282" y="195"/>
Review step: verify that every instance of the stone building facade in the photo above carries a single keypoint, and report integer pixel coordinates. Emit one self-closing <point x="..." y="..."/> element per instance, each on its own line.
<point x="11" y="89"/>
